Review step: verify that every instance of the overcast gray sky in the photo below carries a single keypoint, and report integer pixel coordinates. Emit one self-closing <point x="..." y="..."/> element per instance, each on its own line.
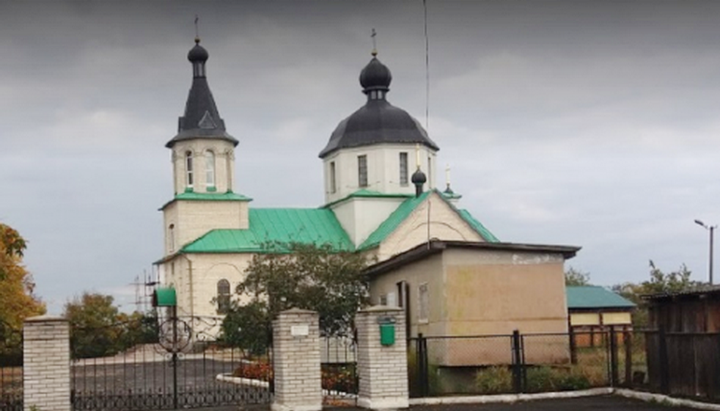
<point x="583" y="123"/>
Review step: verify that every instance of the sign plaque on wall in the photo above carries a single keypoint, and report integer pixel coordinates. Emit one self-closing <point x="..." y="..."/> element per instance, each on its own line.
<point x="299" y="330"/>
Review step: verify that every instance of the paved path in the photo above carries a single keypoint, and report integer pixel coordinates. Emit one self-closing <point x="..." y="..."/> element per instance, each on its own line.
<point x="599" y="403"/>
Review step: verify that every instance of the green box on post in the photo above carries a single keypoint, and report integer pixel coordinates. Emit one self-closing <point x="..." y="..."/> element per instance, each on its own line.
<point x="387" y="334"/>
<point x="164" y="297"/>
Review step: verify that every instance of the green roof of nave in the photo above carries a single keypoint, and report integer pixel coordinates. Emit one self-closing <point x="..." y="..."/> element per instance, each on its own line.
<point x="267" y="225"/>
<point x="309" y="226"/>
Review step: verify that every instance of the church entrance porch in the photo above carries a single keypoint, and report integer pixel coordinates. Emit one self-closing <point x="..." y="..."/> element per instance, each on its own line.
<point x="175" y="366"/>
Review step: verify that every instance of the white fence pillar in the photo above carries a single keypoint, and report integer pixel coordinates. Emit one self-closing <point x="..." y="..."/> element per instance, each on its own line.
<point x="382" y="368"/>
<point x="46" y="364"/>
<point x="296" y="361"/>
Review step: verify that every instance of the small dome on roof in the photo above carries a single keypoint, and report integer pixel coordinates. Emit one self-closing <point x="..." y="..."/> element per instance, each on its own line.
<point x="198" y="53"/>
<point x="375" y="76"/>
<point x="418" y="177"/>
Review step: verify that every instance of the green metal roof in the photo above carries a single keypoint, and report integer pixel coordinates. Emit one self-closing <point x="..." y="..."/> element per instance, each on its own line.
<point x="303" y="225"/>
<point x="228" y="196"/>
<point x="192" y="196"/>
<point x="392" y="222"/>
<point x="593" y="296"/>
<point x="477" y="226"/>
<point x="369" y="194"/>
<point x="407" y="207"/>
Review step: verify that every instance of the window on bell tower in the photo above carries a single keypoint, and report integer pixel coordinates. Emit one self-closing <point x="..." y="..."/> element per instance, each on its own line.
<point x="188" y="169"/>
<point x="362" y="171"/>
<point x="209" y="170"/>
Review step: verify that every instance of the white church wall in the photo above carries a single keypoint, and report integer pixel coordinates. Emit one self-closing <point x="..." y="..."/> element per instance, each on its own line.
<point x="445" y="224"/>
<point x="224" y="165"/>
<point x="208" y="270"/>
<point x="383" y="169"/>
<point x="191" y="219"/>
<point x="360" y="216"/>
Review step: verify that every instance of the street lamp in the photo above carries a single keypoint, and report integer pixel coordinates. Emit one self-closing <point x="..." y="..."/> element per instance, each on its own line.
<point x="710" y="228"/>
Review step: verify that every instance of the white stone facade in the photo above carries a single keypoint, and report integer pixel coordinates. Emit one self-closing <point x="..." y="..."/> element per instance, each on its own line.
<point x="382" y="369"/>
<point x="224" y="154"/>
<point x="383" y="169"/>
<point x="296" y="361"/>
<point x="434" y="213"/>
<point x="46" y="364"/>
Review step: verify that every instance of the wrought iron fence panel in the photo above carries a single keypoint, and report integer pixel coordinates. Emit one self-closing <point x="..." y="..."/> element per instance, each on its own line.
<point x="11" y="368"/>
<point x="185" y="366"/>
<point x="339" y="379"/>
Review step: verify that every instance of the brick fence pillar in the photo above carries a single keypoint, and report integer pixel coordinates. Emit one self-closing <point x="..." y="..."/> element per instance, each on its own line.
<point x="296" y="361"/>
<point x="382" y="368"/>
<point x="46" y="364"/>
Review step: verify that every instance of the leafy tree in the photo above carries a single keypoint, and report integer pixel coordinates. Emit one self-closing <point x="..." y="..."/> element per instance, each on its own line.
<point x="248" y="326"/>
<point x="659" y="282"/>
<point x="303" y="276"/>
<point x="98" y="328"/>
<point x="17" y="300"/>
<point x="576" y="277"/>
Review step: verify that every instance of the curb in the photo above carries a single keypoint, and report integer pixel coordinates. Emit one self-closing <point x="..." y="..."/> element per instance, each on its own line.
<point x="510" y="398"/>
<point x="660" y="398"/>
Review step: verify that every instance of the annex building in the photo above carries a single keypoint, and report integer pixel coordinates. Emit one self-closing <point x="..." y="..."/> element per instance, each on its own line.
<point x="381" y="199"/>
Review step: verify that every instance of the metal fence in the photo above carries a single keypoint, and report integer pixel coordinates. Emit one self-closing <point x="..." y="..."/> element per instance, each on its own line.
<point x="338" y="356"/>
<point x="11" y="369"/>
<point x="513" y="363"/>
<point x="178" y="369"/>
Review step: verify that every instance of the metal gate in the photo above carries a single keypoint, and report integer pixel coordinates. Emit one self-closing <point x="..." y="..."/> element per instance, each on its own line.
<point x="11" y="368"/>
<point x="177" y="363"/>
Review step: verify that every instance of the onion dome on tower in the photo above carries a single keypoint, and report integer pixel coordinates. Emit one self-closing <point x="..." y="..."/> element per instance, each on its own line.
<point x="377" y="122"/>
<point x="201" y="119"/>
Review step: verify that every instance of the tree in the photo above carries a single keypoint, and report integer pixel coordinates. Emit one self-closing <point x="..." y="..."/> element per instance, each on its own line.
<point x="303" y="276"/>
<point x="576" y="277"/>
<point x="659" y="282"/>
<point x="17" y="300"/>
<point x="98" y="328"/>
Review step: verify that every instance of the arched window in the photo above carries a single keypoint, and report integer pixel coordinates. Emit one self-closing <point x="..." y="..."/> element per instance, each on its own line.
<point x="223" y="296"/>
<point x="171" y="237"/>
<point x="188" y="169"/>
<point x="209" y="169"/>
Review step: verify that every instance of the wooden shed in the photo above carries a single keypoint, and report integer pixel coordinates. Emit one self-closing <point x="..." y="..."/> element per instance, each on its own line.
<point x="685" y="312"/>
<point x="592" y="310"/>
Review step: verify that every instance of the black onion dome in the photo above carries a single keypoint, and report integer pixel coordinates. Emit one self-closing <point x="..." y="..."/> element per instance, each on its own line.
<point x="375" y="76"/>
<point x="418" y="177"/>
<point x="198" y="53"/>
<point x="377" y="122"/>
<point x="201" y="118"/>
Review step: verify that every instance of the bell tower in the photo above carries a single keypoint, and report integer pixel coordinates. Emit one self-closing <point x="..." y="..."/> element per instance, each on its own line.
<point x="203" y="161"/>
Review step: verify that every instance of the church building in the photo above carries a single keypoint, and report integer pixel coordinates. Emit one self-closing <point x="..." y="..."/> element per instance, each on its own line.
<point x="381" y="197"/>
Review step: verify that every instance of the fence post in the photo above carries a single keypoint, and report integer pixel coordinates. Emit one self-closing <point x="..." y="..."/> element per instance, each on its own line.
<point x="628" y="341"/>
<point x="573" y="345"/>
<point x="614" y="374"/>
<point x="663" y="363"/>
<point x="46" y="362"/>
<point x="422" y="364"/>
<point x="516" y="347"/>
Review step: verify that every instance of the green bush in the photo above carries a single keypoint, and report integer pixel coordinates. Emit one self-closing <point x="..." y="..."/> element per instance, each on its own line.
<point x="494" y="380"/>
<point x="547" y="379"/>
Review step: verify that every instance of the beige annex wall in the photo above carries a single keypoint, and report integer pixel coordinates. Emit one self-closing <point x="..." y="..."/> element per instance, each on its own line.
<point x="445" y="224"/>
<point x="496" y="292"/>
<point x="427" y="271"/>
